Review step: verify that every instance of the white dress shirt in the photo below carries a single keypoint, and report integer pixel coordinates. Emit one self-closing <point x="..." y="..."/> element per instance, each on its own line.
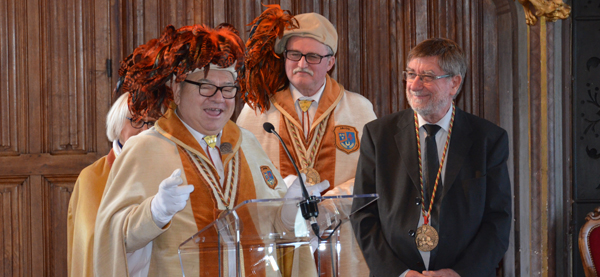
<point x="296" y="95"/>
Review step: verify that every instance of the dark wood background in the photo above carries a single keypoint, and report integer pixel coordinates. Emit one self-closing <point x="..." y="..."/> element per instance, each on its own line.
<point x="59" y="62"/>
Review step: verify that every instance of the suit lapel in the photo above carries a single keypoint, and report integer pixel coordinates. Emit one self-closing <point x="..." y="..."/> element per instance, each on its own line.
<point x="406" y="141"/>
<point x="460" y="143"/>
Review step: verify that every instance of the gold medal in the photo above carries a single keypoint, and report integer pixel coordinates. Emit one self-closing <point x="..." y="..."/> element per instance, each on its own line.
<point x="312" y="176"/>
<point x="427" y="238"/>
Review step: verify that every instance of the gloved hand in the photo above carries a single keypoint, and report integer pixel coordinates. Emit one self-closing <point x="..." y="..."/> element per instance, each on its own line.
<point x="295" y="190"/>
<point x="170" y="199"/>
<point x="290" y="211"/>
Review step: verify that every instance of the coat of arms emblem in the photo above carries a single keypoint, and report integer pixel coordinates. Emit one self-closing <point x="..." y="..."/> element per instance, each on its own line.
<point x="346" y="138"/>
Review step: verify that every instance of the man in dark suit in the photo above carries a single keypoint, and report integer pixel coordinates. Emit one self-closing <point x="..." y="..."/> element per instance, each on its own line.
<point x="443" y="209"/>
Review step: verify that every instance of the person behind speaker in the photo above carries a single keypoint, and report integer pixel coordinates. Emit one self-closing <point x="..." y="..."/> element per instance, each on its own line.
<point x="88" y="189"/>
<point x="471" y="207"/>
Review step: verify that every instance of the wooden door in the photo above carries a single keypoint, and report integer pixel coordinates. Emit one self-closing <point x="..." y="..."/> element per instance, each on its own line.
<point x="53" y="101"/>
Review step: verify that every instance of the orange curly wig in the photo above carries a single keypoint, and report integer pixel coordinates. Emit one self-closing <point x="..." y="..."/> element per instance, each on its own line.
<point x="145" y="73"/>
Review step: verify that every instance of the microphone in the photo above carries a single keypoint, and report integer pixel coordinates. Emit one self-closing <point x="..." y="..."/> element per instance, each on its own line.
<point x="308" y="206"/>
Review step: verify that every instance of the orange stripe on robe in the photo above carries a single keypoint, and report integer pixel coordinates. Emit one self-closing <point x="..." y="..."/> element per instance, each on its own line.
<point x="203" y="201"/>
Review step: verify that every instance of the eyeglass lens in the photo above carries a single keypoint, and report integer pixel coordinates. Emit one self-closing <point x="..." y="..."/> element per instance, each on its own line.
<point x="425" y="78"/>
<point x="310" y="57"/>
<point x="140" y="123"/>
<point x="208" y="90"/>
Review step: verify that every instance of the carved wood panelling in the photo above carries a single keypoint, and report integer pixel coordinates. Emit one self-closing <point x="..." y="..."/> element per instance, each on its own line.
<point x="13" y="215"/>
<point x="374" y="38"/>
<point x="12" y="77"/>
<point x="56" y="194"/>
<point x="68" y="76"/>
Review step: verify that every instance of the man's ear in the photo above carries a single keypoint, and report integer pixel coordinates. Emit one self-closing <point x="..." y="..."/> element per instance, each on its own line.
<point x="177" y="93"/>
<point x="330" y="63"/>
<point x="456" y="81"/>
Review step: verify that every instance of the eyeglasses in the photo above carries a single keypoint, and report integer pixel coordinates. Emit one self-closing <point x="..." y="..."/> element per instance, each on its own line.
<point x="140" y="123"/>
<point x="425" y="78"/>
<point x="310" y="58"/>
<point x="208" y="90"/>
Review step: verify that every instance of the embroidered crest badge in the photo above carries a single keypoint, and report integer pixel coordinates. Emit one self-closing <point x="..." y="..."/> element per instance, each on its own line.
<point x="346" y="138"/>
<point x="267" y="174"/>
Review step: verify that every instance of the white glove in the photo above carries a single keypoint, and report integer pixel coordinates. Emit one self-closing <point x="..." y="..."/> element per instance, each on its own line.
<point x="170" y="199"/>
<point x="295" y="190"/>
<point x="290" y="211"/>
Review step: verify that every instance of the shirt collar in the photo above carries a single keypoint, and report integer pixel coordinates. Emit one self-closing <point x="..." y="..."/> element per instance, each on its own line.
<point x="316" y="97"/>
<point x="199" y="136"/>
<point x="444" y="122"/>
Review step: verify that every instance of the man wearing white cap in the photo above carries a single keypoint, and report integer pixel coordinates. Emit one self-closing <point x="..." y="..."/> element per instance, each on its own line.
<point x="319" y="121"/>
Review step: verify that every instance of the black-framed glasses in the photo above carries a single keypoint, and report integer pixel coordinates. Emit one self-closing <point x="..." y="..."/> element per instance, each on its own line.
<point x="140" y="123"/>
<point x="410" y="76"/>
<point x="311" y="58"/>
<point x="208" y="90"/>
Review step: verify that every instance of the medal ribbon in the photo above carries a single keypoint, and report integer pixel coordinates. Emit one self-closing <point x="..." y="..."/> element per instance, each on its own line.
<point x="307" y="156"/>
<point x="304" y="106"/>
<point x="230" y="180"/>
<point x="427" y="213"/>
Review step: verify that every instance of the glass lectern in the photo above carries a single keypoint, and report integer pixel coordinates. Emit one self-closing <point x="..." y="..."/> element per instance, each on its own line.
<point x="252" y="240"/>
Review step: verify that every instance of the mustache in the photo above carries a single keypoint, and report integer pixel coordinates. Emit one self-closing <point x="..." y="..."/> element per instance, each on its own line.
<point x="305" y="70"/>
<point x="416" y="93"/>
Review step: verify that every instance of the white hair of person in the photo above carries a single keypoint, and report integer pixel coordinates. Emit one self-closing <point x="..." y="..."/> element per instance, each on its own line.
<point x="116" y="117"/>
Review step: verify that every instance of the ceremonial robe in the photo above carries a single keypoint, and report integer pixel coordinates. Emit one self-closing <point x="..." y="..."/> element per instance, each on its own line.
<point x="344" y="114"/>
<point x="83" y="206"/>
<point x="124" y="223"/>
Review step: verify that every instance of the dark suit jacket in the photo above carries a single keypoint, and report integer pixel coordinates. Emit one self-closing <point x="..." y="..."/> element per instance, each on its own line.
<point x="472" y="214"/>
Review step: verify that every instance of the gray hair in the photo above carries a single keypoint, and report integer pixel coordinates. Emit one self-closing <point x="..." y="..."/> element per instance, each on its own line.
<point x="450" y="57"/>
<point x="329" y="50"/>
<point x="116" y="117"/>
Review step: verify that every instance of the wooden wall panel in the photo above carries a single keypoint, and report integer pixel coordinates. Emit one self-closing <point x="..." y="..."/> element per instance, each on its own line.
<point x="52" y="67"/>
<point x="374" y="38"/>
<point x="69" y="83"/>
<point x="12" y="77"/>
<point x="56" y="193"/>
<point x="12" y="215"/>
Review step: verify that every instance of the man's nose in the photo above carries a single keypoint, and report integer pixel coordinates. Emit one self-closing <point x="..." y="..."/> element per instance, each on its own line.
<point x="416" y="84"/>
<point x="218" y="97"/>
<point x="302" y="62"/>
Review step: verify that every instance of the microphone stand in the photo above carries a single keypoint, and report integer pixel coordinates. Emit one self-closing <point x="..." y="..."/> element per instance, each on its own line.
<point x="309" y="206"/>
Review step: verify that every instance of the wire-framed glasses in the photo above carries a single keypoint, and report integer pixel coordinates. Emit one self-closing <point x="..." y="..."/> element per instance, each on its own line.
<point x="208" y="90"/>
<point x="311" y="58"/>
<point x="410" y="76"/>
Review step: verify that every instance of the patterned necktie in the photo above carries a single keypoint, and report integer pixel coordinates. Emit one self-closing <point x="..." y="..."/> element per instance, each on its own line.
<point x="431" y="159"/>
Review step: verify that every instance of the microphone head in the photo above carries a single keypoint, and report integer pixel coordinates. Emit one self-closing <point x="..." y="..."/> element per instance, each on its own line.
<point x="268" y="127"/>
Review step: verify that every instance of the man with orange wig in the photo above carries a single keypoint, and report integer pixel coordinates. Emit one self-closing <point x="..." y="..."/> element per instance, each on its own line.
<point x="207" y="164"/>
